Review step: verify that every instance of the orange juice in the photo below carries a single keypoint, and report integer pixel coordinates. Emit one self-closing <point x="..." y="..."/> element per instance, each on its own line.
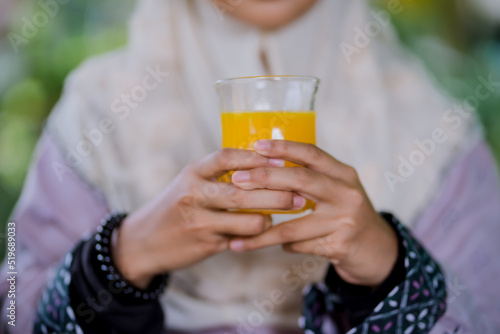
<point x="241" y="129"/>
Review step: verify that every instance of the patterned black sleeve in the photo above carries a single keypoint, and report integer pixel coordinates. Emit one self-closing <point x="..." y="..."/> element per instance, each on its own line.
<point x="411" y="300"/>
<point x="78" y="300"/>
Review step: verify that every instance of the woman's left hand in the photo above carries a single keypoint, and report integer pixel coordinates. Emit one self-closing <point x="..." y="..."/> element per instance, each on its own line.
<point x="344" y="227"/>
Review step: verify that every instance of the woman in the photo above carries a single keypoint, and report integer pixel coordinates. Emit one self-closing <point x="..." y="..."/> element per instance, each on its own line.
<point x="137" y="131"/>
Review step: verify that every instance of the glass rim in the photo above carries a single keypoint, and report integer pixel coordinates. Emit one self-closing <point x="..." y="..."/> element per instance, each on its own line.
<point x="267" y="77"/>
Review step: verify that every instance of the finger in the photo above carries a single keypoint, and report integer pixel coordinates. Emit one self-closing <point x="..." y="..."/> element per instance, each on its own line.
<point x="328" y="246"/>
<point x="317" y="246"/>
<point x="229" y="159"/>
<point x="306" y="182"/>
<point x="307" y="155"/>
<point x="239" y="224"/>
<point x="229" y="196"/>
<point x="304" y="228"/>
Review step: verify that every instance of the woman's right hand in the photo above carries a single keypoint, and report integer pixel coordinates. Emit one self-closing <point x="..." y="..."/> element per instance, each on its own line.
<point x="188" y="221"/>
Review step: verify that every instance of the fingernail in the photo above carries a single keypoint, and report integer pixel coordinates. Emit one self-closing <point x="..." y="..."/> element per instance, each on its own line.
<point x="262" y="145"/>
<point x="299" y="201"/>
<point x="236" y="245"/>
<point x="277" y="162"/>
<point x="241" y="176"/>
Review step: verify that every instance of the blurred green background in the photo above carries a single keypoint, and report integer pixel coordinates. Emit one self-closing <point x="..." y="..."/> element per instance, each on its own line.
<point x="458" y="41"/>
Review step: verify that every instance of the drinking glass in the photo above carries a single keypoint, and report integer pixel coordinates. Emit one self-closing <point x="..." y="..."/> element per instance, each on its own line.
<point x="267" y="107"/>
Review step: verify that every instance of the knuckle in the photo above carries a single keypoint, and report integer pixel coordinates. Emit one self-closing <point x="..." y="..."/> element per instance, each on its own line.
<point x="351" y="174"/>
<point x="248" y="157"/>
<point x="354" y="196"/>
<point x="236" y="196"/>
<point x="313" y="152"/>
<point x="325" y="246"/>
<point x="257" y="224"/>
<point x="286" y="232"/>
<point x="340" y="247"/>
<point x="223" y="156"/>
<point x="303" y="176"/>
<point x="225" y="152"/>
<point x="278" y="146"/>
<point x="262" y="175"/>
<point x="284" y="200"/>
<point x="198" y="197"/>
<point x="210" y="190"/>
<point x="187" y="200"/>
<point x="190" y="225"/>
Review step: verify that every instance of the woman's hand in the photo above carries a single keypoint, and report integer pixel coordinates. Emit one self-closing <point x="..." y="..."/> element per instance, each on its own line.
<point x="344" y="227"/>
<point x="187" y="222"/>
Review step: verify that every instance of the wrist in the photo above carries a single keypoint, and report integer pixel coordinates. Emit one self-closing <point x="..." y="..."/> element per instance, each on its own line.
<point x="129" y="256"/>
<point x="387" y="255"/>
<point x="375" y="259"/>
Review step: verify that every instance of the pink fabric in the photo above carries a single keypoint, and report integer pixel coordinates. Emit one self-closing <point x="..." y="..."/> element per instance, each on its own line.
<point x="52" y="214"/>
<point x="234" y="330"/>
<point x="461" y="229"/>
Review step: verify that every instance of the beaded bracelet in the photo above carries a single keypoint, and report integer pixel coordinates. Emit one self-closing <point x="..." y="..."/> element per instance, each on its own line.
<point x="108" y="269"/>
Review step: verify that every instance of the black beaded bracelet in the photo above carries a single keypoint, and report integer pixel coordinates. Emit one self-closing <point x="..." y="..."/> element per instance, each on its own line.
<point x="108" y="269"/>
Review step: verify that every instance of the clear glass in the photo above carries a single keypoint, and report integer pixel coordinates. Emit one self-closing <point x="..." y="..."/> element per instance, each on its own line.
<point x="270" y="107"/>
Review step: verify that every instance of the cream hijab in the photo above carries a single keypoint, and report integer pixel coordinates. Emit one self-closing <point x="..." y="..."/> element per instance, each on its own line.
<point x="370" y="111"/>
